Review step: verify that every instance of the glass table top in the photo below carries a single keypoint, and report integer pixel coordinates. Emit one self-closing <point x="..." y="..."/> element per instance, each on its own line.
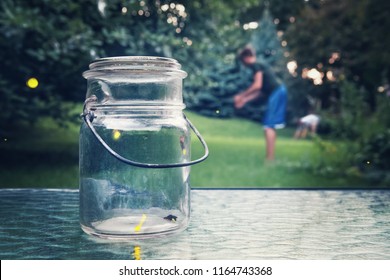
<point x="225" y="224"/>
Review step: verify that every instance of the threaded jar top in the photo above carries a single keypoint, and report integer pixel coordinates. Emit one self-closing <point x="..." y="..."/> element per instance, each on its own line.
<point x="131" y="80"/>
<point x="134" y="66"/>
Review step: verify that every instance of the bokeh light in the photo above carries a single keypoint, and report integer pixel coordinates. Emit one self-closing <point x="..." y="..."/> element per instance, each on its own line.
<point x="292" y="67"/>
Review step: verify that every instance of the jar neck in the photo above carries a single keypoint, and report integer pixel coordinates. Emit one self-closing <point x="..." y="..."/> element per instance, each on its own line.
<point x="138" y="109"/>
<point x="117" y="80"/>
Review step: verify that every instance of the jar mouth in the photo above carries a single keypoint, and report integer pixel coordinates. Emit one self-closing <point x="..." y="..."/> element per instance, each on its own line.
<point x="135" y="65"/>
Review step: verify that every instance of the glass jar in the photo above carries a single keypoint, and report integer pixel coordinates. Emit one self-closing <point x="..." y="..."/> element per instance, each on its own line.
<point x="135" y="149"/>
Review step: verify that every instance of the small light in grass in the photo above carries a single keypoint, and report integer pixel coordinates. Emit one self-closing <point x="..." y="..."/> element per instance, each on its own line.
<point x="368" y="162"/>
<point x="32" y="83"/>
<point x="217" y="111"/>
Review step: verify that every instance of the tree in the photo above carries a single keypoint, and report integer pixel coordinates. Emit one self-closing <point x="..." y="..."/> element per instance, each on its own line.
<point x="268" y="46"/>
<point x="226" y="80"/>
<point x="53" y="41"/>
<point x="33" y="48"/>
<point x="350" y="43"/>
<point x="223" y="82"/>
<point x="345" y="46"/>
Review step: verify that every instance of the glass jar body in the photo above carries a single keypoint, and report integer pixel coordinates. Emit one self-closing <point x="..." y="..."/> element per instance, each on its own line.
<point x="133" y="127"/>
<point x="118" y="200"/>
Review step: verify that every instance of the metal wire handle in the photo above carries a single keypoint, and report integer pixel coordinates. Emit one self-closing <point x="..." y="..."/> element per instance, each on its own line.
<point x="89" y="116"/>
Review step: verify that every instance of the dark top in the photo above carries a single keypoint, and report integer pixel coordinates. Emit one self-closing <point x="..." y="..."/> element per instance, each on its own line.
<point x="270" y="81"/>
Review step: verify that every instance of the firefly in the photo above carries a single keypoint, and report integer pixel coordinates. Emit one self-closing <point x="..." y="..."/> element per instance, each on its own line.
<point x="171" y="218"/>
<point x="141" y="222"/>
<point x="32" y="83"/>
<point x="116" y="134"/>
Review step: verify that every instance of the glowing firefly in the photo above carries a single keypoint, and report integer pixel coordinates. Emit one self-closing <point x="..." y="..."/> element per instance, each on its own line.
<point x="116" y="134"/>
<point x="141" y="222"/>
<point x="182" y="145"/>
<point x="32" y="82"/>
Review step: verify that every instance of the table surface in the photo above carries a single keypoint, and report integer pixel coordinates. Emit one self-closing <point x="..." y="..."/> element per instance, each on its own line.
<point x="225" y="224"/>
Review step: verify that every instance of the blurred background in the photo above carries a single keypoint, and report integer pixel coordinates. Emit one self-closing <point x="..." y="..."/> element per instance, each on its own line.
<point x="334" y="57"/>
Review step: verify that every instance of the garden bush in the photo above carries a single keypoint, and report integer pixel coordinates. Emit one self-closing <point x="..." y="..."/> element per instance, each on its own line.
<point x="363" y="147"/>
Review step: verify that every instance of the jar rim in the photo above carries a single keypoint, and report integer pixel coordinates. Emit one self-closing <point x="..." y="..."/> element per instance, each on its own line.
<point x="134" y="65"/>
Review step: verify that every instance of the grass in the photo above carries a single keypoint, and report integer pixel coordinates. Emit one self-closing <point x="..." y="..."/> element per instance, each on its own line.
<point x="46" y="155"/>
<point x="237" y="152"/>
<point x="43" y="155"/>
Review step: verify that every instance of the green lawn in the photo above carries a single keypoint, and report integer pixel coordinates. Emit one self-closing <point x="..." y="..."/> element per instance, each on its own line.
<point x="47" y="156"/>
<point x="237" y="152"/>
